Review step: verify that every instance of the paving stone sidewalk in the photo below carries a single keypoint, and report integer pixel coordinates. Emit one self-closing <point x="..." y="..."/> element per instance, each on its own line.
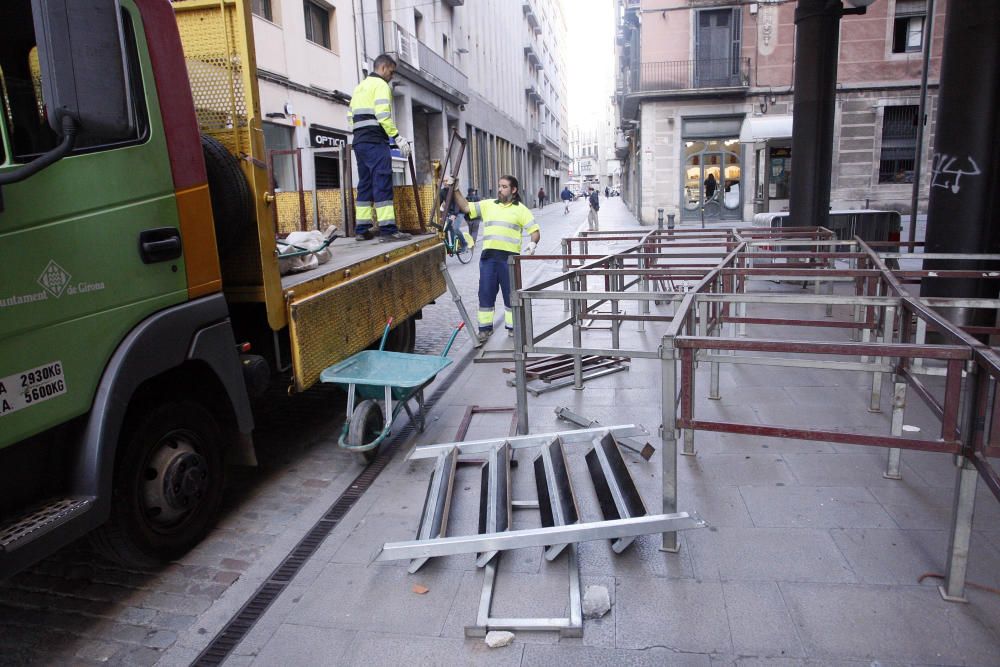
<point x="812" y="556"/>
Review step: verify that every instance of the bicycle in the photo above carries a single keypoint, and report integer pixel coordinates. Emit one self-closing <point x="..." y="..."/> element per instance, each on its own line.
<point x="456" y="243"/>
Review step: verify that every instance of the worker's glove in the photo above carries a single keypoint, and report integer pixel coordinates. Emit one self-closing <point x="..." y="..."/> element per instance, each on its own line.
<point x="403" y="145"/>
<point x="530" y="248"/>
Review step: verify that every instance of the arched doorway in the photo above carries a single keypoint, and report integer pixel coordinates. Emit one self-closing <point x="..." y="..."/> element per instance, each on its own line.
<point x="712" y="180"/>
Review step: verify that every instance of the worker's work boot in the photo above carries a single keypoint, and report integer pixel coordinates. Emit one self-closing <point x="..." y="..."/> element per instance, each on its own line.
<point x="395" y="236"/>
<point x="484" y="335"/>
<point x="366" y="235"/>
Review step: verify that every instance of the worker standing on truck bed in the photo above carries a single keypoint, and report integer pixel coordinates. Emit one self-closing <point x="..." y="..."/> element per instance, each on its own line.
<point x="370" y="119"/>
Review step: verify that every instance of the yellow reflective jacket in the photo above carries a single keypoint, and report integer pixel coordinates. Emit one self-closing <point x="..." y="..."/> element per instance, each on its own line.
<point x="370" y="114"/>
<point x="503" y="224"/>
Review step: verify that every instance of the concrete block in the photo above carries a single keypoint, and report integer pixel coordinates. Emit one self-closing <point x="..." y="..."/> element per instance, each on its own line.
<point x="911" y="624"/>
<point x="374" y="650"/>
<point x="565" y="654"/>
<point x="767" y="554"/>
<point x="815" y="507"/>
<point x="659" y="612"/>
<point x="355" y="597"/>
<point x="759" y="622"/>
<point x="305" y="645"/>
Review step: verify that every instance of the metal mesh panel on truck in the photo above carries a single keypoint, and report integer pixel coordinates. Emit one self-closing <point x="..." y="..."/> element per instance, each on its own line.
<point x="345" y="318"/>
<point x="215" y="69"/>
<point x="220" y="64"/>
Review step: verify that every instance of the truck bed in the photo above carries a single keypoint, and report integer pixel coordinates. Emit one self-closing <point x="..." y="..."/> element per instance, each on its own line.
<point x="355" y="256"/>
<point x="340" y="307"/>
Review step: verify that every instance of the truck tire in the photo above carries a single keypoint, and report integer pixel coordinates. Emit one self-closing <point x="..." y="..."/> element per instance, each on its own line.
<point x="232" y="204"/>
<point x="167" y="487"/>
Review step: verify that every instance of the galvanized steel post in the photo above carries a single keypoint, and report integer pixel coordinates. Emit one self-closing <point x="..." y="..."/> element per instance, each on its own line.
<point x="668" y="436"/>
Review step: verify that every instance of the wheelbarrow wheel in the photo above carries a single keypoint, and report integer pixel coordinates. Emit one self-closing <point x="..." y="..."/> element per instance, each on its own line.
<point x="366" y="424"/>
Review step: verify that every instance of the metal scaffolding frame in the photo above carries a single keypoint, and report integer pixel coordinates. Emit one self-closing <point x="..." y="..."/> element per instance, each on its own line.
<point x="694" y="284"/>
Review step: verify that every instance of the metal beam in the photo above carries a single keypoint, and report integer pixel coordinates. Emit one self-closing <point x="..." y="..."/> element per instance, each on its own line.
<point x="538" y="537"/>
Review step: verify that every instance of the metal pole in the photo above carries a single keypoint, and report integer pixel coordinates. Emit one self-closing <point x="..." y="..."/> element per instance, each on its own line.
<point x="668" y="436"/>
<point x="962" y="215"/>
<point x="520" y="343"/>
<point x="921" y="122"/>
<point x="962" y="511"/>
<point x="577" y="313"/>
<point x="817" y="33"/>
<point x="964" y="503"/>
<point x="892" y="465"/>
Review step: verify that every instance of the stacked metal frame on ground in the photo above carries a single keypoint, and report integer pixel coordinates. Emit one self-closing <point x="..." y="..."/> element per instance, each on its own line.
<point x="624" y="512"/>
<point x="703" y="275"/>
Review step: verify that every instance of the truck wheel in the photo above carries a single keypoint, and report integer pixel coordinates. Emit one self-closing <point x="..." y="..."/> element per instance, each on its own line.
<point x="403" y="338"/>
<point x="366" y="424"/>
<point x="167" y="486"/>
<point x="232" y="204"/>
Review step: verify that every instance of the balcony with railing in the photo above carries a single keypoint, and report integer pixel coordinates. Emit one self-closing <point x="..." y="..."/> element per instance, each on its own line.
<point x="690" y="76"/>
<point x="535" y="140"/>
<point x="419" y="63"/>
<point x="529" y="13"/>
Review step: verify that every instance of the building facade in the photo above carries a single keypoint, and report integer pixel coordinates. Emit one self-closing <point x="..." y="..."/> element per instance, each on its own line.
<point x="704" y="95"/>
<point x="306" y="65"/>
<point x="506" y="97"/>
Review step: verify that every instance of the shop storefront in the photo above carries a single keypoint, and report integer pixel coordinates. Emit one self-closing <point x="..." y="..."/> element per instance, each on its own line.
<point x="770" y="138"/>
<point x="712" y="169"/>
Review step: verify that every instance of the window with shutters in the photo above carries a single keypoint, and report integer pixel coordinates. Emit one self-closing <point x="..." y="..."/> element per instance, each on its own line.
<point x="262" y="8"/>
<point x="908" y="26"/>
<point x="319" y="19"/>
<point x="899" y="144"/>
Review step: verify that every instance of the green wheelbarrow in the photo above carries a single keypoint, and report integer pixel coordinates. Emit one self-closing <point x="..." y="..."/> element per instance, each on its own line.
<point x="385" y="382"/>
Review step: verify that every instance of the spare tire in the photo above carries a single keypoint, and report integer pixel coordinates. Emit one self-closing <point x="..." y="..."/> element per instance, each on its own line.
<point x="232" y="204"/>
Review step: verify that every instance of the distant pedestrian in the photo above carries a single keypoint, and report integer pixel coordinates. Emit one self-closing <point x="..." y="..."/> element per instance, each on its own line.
<point x="567" y="197"/>
<point x="595" y="206"/>
<point x="541" y="198"/>
<point x="711" y="185"/>
<point x="607" y="192"/>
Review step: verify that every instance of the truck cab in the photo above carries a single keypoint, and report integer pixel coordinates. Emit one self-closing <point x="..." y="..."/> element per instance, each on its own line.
<point x="127" y="306"/>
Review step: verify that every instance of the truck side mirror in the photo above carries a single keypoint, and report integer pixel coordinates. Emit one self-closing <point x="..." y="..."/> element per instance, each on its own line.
<point x="81" y="51"/>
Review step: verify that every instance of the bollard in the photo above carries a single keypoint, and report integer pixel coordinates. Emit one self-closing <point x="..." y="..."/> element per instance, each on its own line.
<point x="659" y="219"/>
<point x="670" y="221"/>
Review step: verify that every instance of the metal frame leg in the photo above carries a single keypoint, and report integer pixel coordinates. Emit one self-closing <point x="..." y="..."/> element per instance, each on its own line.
<point x="962" y="512"/>
<point x="668" y="435"/>
<point x="892" y="464"/>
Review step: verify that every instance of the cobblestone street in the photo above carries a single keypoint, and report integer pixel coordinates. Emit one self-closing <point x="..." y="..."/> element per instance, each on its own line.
<point x="76" y="608"/>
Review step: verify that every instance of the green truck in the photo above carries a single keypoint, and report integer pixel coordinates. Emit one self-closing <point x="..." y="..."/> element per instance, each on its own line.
<point x="141" y="306"/>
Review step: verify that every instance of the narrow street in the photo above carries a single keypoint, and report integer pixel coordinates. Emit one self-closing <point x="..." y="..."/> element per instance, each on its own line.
<point x="77" y="608"/>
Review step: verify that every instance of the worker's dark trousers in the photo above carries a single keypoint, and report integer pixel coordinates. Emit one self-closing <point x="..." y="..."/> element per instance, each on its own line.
<point x="493" y="275"/>
<point x="374" y="189"/>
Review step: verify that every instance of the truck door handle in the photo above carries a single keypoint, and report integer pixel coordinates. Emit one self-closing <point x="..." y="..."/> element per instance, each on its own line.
<point x="159" y="245"/>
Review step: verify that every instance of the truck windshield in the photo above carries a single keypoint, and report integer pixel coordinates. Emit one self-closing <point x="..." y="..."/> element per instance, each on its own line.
<point x="21" y="99"/>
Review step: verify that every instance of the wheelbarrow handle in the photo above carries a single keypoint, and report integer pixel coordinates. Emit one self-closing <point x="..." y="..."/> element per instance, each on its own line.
<point x="451" y="341"/>
<point x="385" y="335"/>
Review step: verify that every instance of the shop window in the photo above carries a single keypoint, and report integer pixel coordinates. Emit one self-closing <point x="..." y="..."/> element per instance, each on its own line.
<point x="22" y="106"/>
<point x="908" y="26"/>
<point x="899" y="144"/>
<point x="319" y="18"/>
<point x="262" y="8"/>
<point x="283" y="166"/>
<point x="327" y="172"/>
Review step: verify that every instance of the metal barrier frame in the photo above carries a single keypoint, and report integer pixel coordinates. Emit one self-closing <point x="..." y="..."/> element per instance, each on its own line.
<point x="704" y="275"/>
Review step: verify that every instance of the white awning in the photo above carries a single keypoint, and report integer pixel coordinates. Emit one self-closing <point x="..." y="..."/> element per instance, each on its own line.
<point x="762" y="128"/>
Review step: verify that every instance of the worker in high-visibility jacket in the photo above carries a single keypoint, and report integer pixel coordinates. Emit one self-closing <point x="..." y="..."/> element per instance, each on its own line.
<point x="504" y="221"/>
<point x="370" y="119"/>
